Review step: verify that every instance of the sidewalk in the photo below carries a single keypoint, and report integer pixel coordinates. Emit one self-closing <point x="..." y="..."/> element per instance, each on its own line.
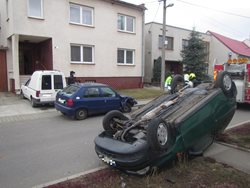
<point x="231" y="156"/>
<point x="12" y="107"/>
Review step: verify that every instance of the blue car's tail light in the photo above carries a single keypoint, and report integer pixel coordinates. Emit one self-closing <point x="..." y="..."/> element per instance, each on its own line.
<point x="70" y="102"/>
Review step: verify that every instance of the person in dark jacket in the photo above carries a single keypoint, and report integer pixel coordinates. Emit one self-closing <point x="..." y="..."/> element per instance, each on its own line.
<point x="72" y="78"/>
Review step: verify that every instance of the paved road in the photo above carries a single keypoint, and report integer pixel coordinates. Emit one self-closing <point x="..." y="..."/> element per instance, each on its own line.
<point x="37" y="151"/>
<point x="47" y="146"/>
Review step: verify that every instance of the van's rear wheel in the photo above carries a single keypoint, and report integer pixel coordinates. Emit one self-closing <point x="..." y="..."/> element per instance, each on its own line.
<point x="81" y="114"/>
<point x="33" y="103"/>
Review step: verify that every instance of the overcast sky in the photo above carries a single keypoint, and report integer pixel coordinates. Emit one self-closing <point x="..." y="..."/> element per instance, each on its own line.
<point x="227" y="17"/>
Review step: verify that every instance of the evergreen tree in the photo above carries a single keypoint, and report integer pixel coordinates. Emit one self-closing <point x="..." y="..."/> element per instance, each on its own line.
<point x="157" y="71"/>
<point x="194" y="56"/>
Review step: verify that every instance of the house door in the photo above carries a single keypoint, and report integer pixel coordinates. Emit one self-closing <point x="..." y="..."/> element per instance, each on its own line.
<point x="3" y="72"/>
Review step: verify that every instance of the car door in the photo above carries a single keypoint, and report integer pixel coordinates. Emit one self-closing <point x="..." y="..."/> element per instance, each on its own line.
<point x="25" y="89"/>
<point x="57" y="83"/>
<point x="92" y="100"/>
<point x="111" y="99"/>
<point x="46" y="92"/>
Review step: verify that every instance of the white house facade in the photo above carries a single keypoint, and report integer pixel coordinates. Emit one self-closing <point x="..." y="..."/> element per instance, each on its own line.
<point x="101" y="40"/>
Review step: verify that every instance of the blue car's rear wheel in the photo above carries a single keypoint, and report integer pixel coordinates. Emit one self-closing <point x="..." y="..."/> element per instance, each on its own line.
<point x="81" y="114"/>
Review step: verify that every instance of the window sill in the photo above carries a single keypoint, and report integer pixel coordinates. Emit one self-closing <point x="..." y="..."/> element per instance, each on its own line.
<point x="83" y="25"/>
<point x="122" y="64"/>
<point x="81" y="63"/>
<point x="128" y="32"/>
<point x="166" y="49"/>
<point x="36" y="18"/>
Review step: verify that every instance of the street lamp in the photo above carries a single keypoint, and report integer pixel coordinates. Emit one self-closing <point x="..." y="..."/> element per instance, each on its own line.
<point x="163" y="41"/>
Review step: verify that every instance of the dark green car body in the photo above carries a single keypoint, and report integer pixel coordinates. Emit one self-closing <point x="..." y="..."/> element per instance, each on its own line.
<point x="182" y="122"/>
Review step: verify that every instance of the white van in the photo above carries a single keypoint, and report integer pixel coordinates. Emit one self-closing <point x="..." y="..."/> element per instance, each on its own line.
<point x="42" y="87"/>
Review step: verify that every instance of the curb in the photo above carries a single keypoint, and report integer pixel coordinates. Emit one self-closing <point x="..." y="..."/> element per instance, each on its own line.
<point x="69" y="177"/>
<point x="239" y="124"/>
<point x="233" y="146"/>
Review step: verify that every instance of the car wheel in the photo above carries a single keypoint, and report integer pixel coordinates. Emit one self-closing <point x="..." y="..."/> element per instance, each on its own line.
<point x="81" y="114"/>
<point x="126" y="108"/>
<point x="177" y="83"/>
<point x="33" y="103"/>
<point x="22" y="95"/>
<point x="111" y="120"/>
<point x="158" y="134"/>
<point x="63" y="113"/>
<point x="225" y="82"/>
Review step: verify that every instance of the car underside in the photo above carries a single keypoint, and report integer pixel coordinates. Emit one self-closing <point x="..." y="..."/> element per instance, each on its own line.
<point x="185" y="121"/>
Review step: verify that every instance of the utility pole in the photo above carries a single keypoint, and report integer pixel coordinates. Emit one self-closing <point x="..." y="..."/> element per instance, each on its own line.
<point x="163" y="66"/>
<point x="163" y="46"/>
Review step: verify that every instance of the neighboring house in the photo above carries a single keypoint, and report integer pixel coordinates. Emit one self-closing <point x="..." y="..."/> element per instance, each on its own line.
<point x="101" y="40"/>
<point x="222" y="47"/>
<point x="176" y="39"/>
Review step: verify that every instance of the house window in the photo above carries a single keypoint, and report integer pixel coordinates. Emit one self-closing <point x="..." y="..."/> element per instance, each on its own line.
<point x="125" y="56"/>
<point x="169" y="42"/>
<point x="81" y="15"/>
<point x="82" y="53"/>
<point x="184" y="43"/>
<point x="35" y="8"/>
<point x="126" y="23"/>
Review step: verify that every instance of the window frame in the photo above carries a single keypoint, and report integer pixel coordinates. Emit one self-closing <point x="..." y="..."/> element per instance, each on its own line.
<point x="81" y="54"/>
<point x="82" y="7"/>
<point x="125" y="23"/>
<point x="125" y="57"/>
<point x="167" y="47"/>
<point x="42" y="9"/>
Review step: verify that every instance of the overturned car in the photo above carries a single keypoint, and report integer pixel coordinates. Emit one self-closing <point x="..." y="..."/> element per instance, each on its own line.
<point x="152" y="136"/>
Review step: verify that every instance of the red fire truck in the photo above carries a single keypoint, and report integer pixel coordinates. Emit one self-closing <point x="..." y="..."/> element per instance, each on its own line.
<point x="239" y="70"/>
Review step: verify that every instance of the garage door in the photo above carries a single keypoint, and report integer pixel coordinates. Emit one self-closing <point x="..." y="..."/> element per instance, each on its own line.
<point x="3" y="71"/>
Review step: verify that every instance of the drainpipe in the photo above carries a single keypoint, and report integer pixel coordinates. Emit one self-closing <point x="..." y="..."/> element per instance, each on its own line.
<point x="143" y="49"/>
<point x="15" y="62"/>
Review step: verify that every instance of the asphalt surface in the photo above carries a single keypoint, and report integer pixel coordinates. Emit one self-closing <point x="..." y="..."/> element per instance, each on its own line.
<point x="44" y="149"/>
<point x="39" y="145"/>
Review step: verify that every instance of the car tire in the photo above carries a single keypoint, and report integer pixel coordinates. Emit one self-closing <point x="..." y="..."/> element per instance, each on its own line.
<point x="126" y="108"/>
<point x="225" y="82"/>
<point x="177" y="83"/>
<point x="33" y="103"/>
<point x="108" y="122"/>
<point x="158" y="135"/>
<point x="22" y="95"/>
<point x="81" y="114"/>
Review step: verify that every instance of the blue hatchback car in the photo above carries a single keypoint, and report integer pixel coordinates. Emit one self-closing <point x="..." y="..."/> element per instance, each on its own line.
<point x="81" y="100"/>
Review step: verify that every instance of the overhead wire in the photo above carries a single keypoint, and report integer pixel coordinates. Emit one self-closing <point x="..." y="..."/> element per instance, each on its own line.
<point x="155" y="16"/>
<point x="213" y="9"/>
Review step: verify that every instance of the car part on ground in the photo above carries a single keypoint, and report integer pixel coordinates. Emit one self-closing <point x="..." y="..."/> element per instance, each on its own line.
<point x="185" y="121"/>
